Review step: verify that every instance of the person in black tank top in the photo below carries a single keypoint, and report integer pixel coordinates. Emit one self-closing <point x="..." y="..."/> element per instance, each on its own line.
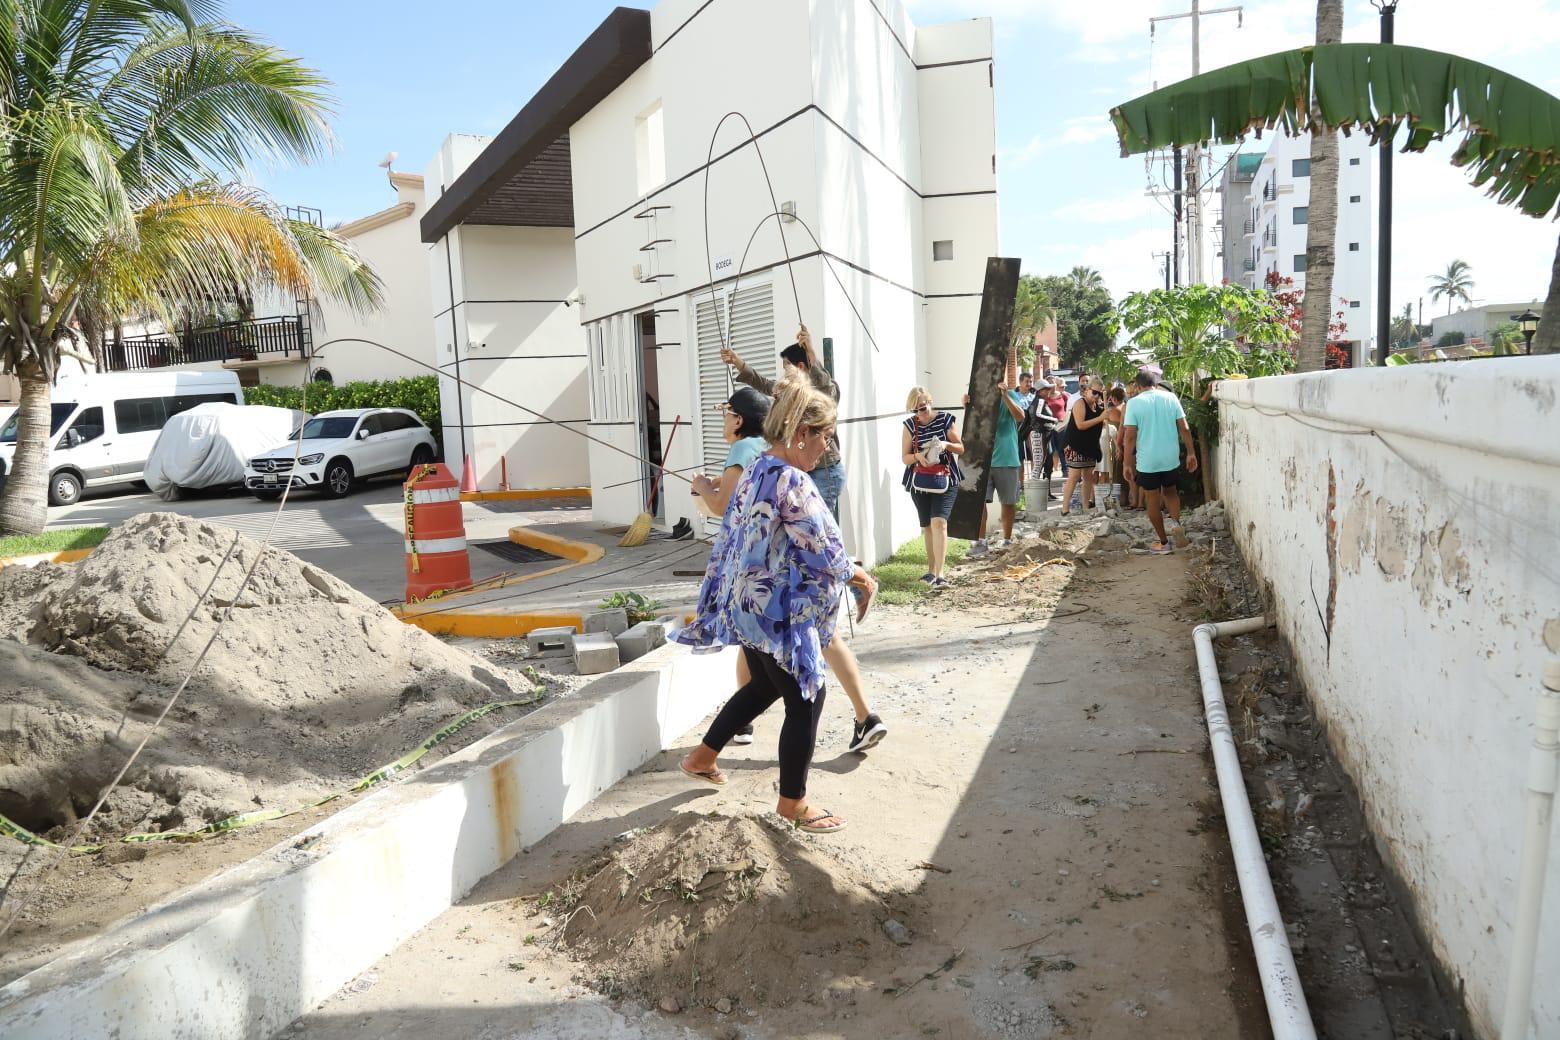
<point x="1082" y="452"/>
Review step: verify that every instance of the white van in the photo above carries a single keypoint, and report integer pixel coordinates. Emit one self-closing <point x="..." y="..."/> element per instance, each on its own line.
<point x="105" y="425"/>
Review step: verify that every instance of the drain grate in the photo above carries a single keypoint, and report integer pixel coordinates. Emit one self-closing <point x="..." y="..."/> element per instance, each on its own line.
<point x="506" y="550"/>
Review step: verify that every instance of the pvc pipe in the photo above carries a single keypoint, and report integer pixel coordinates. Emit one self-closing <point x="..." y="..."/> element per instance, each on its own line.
<point x="1543" y="770"/>
<point x="1286" y="1006"/>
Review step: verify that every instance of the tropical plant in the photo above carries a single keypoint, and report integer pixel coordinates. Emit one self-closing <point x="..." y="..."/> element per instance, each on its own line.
<point x="637" y="605"/>
<point x="1452" y="339"/>
<point x="1086" y="278"/>
<point x="1505" y="338"/>
<point x="1184" y="332"/>
<point x="1510" y="129"/>
<point x="1086" y="321"/>
<point x="1404" y="329"/>
<point x="1031" y="314"/>
<point x="1453" y="285"/>
<point x="123" y="124"/>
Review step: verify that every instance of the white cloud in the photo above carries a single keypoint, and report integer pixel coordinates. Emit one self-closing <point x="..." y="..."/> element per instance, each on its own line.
<point x="1115" y="210"/>
<point x="1087" y="129"/>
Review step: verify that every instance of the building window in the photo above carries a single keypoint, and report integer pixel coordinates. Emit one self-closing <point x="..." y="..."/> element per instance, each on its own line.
<point x="1354" y="303"/>
<point x="1354" y="162"/>
<point x="1302" y="214"/>
<point x="322" y="375"/>
<point x="942" y="250"/>
<point x="1302" y="167"/>
<point x="1299" y="263"/>
<point x="650" y="149"/>
<point x="1354" y="247"/>
<point x="1354" y="198"/>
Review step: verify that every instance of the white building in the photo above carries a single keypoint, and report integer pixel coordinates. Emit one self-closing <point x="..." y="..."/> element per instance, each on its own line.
<point x="1266" y="207"/>
<point x="1476" y="323"/>
<point x="285" y="333"/>
<point x="877" y="135"/>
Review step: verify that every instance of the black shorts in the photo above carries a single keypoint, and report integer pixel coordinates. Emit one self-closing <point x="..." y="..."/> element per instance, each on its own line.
<point x="1158" y="481"/>
<point x="929" y="507"/>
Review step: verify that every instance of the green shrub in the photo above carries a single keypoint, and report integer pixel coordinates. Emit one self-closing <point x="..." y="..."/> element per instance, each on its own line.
<point x="418" y="394"/>
<point x="1451" y="339"/>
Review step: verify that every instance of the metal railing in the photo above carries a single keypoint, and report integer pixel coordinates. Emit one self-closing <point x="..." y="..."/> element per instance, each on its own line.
<point x="254" y="340"/>
<point x="1250" y="226"/>
<point x="1249" y="264"/>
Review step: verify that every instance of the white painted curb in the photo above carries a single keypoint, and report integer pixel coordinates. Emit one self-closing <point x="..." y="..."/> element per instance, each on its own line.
<point x="246" y="952"/>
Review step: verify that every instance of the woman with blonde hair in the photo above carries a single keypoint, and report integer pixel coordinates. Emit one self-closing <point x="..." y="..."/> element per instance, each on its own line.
<point x="930" y="448"/>
<point x="772" y="588"/>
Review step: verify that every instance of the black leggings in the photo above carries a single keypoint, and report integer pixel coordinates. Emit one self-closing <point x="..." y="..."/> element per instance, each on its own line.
<point x="770" y="683"/>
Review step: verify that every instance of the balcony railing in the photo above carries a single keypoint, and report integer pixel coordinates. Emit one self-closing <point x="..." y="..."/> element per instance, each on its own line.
<point x="1270" y="191"/>
<point x="259" y="339"/>
<point x="1248" y="263"/>
<point x="1250" y="226"/>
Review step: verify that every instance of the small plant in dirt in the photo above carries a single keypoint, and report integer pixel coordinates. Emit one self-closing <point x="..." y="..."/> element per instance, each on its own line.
<point x="639" y="606"/>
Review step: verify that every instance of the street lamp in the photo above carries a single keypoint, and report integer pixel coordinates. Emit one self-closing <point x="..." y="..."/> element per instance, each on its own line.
<point x="1388" y="9"/>
<point x="1527" y="321"/>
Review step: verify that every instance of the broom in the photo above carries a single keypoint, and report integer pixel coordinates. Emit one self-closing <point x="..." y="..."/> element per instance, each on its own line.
<point x="638" y="532"/>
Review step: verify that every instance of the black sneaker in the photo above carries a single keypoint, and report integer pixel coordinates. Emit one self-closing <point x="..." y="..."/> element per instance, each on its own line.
<point x="744" y="736"/>
<point x="867" y="734"/>
<point x="929" y="578"/>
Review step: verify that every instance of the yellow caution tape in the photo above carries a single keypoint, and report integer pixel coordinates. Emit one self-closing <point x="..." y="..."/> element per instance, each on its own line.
<point x="15" y="830"/>
<point x="411" y="484"/>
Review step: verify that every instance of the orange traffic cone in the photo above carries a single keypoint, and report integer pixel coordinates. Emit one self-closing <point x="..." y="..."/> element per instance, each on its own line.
<point x="468" y="476"/>
<point x="436" y="558"/>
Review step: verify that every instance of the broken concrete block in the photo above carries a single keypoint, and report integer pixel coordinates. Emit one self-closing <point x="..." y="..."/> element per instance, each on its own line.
<point x="550" y="642"/>
<point x="594" y="653"/>
<point x="641" y="639"/>
<point x="613" y="622"/>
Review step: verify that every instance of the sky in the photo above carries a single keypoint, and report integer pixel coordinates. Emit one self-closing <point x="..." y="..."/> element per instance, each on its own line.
<point x="1067" y="197"/>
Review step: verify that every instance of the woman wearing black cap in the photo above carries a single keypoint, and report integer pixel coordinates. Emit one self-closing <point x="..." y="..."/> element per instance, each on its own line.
<point x="743" y="416"/>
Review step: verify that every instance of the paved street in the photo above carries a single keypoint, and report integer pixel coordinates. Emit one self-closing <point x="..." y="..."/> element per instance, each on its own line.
<point x="358" y="538"/>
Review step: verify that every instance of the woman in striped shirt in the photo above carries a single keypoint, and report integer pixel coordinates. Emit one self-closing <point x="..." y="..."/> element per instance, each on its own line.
<point x="930" y="448"/>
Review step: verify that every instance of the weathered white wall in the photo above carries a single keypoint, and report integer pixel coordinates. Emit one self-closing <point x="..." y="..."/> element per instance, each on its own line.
<point x="507" y="331"/>
<point x="1408" y="521"/>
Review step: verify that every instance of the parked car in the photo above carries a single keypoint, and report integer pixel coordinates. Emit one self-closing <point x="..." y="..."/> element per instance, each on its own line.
<point x="105" y="425"/>
<point x="209" y="446"/>
<point x="340" y="448"/>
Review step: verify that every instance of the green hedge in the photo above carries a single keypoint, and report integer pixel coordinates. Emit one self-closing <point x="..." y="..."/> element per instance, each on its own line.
<point x="419" y="394"/>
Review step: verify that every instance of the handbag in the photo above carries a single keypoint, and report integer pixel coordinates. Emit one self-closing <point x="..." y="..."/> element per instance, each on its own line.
<point x="931" y="480"/>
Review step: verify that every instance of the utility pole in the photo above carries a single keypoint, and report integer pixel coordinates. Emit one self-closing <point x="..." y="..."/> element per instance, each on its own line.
<point x="1388" y="9"/>
<point x="1163" y="260"/>
<point x="1193" y="187"/>
<point x="1175" y="233"/>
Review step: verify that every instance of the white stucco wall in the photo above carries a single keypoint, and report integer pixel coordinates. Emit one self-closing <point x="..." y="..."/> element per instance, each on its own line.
<point x="507" y="331"/>
<point x="1416" y="580"/>
<point x="396" y="252"/>
<point x="836" y="96"/>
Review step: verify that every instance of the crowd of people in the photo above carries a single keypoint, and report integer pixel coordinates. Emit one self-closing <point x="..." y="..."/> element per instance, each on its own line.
<point x="779" y="576"/>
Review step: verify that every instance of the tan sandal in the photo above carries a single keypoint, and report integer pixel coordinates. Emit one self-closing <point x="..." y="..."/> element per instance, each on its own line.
<point x="709" y="776"/>
<point x="815" y="825"/>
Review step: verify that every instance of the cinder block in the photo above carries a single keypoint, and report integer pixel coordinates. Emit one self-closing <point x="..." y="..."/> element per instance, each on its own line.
<point x="613" y="622"/>
<point x="641" y="639"/>
<point x="550" y="642"/>
<point x="594" y="653"/>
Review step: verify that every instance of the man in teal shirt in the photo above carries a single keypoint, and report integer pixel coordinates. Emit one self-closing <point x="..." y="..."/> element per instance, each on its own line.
<point x="1003" y="483"/>
<point x="1154" y="434"/>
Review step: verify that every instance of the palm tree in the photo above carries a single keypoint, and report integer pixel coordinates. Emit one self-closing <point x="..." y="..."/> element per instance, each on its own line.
<point x="123" y="124"/>
<point x="1454" y="284"/>
<point x="1404" y="329"/>
<point x="1086" y="278"/>
<point x="1321" y="231"/>
<point x="1377" y="88"/>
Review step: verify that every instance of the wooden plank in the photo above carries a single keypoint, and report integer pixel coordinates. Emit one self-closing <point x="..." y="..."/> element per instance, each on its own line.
<point x="986" y="370"/>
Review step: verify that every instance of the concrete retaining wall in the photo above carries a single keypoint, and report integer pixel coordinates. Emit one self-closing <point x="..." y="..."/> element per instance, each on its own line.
<point x="1408" y="522"/>
<point x="248" y="951"/>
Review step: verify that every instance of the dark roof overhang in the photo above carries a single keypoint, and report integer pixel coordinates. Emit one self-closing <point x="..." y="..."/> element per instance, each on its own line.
<point x="522" y="178"/>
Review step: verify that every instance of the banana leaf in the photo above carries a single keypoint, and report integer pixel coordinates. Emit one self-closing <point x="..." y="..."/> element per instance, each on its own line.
<point x="1510" y="128"/>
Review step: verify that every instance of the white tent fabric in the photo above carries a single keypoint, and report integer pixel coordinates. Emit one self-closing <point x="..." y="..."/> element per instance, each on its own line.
<point x="208" y="445"/>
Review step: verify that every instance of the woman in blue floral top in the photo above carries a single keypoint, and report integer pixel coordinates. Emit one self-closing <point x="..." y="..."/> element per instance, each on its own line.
<point x="773" y="589"/>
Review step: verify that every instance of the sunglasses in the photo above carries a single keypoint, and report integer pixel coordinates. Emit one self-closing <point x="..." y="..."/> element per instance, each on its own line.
<point x="922" y="408"/>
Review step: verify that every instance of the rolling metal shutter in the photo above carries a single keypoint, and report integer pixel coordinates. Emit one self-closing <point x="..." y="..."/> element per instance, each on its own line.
<point x="752" y="333"/>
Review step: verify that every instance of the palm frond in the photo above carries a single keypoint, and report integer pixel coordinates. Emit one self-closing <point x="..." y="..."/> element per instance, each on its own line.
<point x="207" y="102"/>
<point x="1510" y="128"/>
<point x="337" y="271"/>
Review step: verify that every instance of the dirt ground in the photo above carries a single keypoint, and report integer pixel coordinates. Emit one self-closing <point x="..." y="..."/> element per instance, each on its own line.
<point x="1040" y="827"/>
<point x="309" y="687"/>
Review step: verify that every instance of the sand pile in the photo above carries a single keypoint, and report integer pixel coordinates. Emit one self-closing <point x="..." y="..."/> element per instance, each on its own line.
<point x="719" y="911"/>
<point x="309" y="685"/>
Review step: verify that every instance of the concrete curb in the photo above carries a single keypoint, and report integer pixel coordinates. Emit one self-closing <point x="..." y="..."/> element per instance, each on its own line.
<point x="432" y="616"/>
<point x="63" y="556"/>
<point x="243" y="954"/>
<point x="524" y="494"/>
